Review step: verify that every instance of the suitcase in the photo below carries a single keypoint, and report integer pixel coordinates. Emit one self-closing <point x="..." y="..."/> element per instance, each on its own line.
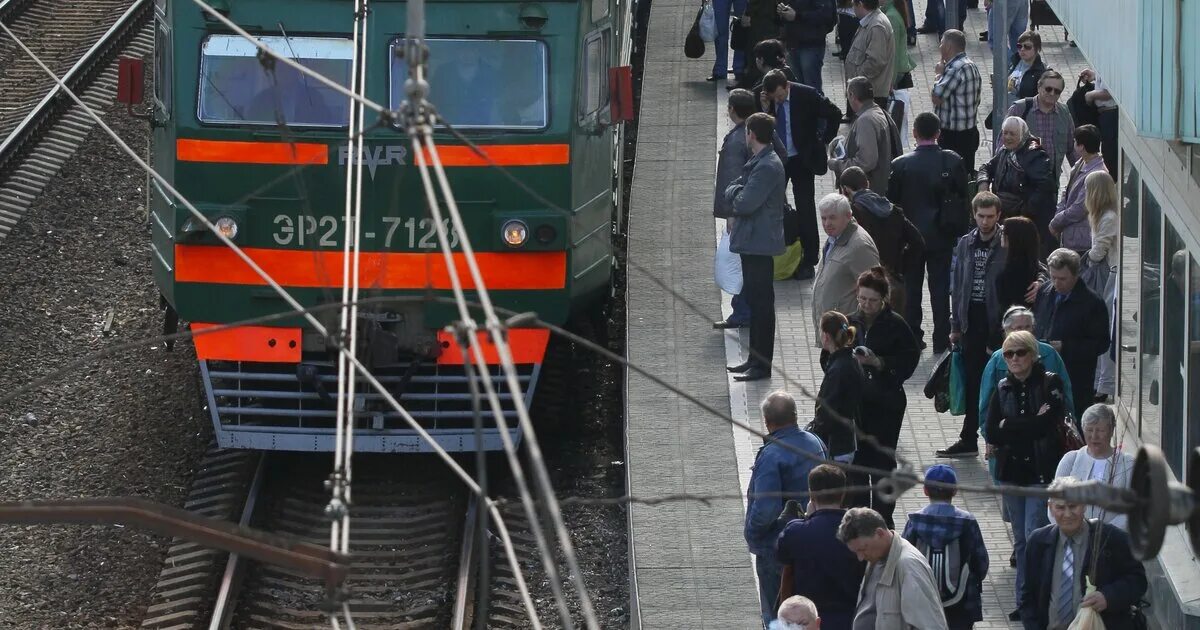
<point x="1040" y="14"/>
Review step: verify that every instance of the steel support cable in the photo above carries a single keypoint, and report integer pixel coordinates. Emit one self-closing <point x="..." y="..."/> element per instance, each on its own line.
<point x="472" y="340"/>
<point x="862" y="437"/>
<point x="297" y="308"/>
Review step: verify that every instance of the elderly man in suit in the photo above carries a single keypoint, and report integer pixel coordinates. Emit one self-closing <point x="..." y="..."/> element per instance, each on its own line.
<point x="757" y="199"/>
<point x="1058" y="558"/>
<point x="848" y="251"/>
<point x="805" y="121"/>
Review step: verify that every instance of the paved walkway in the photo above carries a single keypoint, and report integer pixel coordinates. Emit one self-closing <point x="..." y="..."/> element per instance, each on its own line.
<point x="689" y="562"/>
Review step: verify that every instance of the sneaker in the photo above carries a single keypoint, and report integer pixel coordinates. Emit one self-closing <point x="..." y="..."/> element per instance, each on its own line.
<point x="961" y="448"/>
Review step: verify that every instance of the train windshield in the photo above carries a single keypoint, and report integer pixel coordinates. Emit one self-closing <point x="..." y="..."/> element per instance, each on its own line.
<point x="482" y="83"/>
<point x="236" y="88"/>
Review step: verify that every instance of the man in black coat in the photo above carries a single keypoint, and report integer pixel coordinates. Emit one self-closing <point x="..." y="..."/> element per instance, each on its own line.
<point x="927" y="183"/>
<point x="806" y="23"/>
<point x="805" y="121"/>
<point x="1074" y="321"/>
<point x="1058" y="558"/>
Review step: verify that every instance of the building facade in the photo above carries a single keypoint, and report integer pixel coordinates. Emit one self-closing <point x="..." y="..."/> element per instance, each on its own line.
<point x="1148" y="54"/>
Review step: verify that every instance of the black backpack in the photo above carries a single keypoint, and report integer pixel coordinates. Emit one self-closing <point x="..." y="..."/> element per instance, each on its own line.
<point x="1081" y="112"/>
<point x="951" y="573"/>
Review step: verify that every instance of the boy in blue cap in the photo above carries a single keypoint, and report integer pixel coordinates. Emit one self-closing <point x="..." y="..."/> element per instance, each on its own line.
<point x="953" y="544"/>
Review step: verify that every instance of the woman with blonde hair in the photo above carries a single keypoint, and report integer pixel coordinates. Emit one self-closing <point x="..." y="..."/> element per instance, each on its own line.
<point x="1100" y="264"/>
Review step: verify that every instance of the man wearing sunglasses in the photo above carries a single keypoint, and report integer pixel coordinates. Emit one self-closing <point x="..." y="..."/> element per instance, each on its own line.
<point x="1049" y="120"/>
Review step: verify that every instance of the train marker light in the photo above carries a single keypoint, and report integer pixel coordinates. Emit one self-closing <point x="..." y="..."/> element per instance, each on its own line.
<point x="227" y="227"/>
<point x="533" y="16"/>
<point x="515" y="233"/>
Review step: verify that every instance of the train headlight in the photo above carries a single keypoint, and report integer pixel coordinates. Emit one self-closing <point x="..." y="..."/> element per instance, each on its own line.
<point x="227" y="227"/>
<point x="515" y="233"/>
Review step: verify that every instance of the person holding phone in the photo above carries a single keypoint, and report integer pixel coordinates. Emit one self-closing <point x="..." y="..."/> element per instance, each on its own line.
<point x="887" y="350"/>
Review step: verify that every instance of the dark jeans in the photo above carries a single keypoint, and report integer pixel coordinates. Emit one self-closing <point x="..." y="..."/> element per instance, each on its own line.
<point x="769" y="576"/>
<point x="937" y="263"/>
<point x="1110" y="122"/>
<point x="965" y="143"/>
<point x="886" y="417"/>
<point x="847" y="27"/>
<point x="806" y="65"/>
<point x="758" y="289"/>
<point x="975" y="344"/>
<point x="935" y="15"/>
<point x="741" y="310"/>
<point x="722" y="9"/>
<point x="912" y="17"/>
<point x="804" y="192"/>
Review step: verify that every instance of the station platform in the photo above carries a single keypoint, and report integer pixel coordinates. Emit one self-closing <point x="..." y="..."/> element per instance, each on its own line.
<point x="690" y="567"/>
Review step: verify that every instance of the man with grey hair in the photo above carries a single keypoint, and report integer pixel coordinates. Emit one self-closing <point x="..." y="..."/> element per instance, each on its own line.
<point x="898" y="591"/>
<point x="873" y="141"/>
<point x="1060" y="555"/>
<point x="1020" y="174"/>
<point x="780" y="473"/>
<point x="797" y="613"/>
<point x="1074" y="321"/>
<point x="848" y="251"/>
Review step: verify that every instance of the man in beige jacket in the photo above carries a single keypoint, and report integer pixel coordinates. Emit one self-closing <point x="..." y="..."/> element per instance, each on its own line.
<point x="873" y="53"/>
<point x="898" y="591"/>
<point x="847" y="252"/>
<point x="873" y="141"/>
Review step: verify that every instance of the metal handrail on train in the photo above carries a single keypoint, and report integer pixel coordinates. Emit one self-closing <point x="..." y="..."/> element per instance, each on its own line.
<point x="94" y="55"/>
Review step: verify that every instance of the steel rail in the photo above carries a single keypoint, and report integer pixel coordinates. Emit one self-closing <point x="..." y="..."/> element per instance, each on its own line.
<point x="467" y="574"/>
<point x="231" y="580"/>
<point x="93" y="60"/>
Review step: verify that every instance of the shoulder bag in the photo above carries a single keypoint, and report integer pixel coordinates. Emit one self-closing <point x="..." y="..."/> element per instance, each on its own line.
<point x="693" y="44"/>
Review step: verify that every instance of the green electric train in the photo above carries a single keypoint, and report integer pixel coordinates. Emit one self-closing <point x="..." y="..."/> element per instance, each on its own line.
<point x="542" y="87"/>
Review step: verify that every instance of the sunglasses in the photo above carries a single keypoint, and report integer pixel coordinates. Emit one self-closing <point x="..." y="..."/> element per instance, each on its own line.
<point x="1051" y="90"/>
<point x="1019" y="353"/>
<point x="1026" y="46"/>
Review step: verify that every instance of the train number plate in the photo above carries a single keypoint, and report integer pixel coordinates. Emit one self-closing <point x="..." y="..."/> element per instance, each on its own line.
<point x="392" y="232"/>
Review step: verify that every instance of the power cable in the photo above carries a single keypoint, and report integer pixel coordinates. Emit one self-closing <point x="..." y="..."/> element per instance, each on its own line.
<point x="298" y="309"/>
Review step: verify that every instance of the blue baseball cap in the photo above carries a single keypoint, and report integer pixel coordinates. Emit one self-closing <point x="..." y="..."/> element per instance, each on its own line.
<point x="942" y="473"/>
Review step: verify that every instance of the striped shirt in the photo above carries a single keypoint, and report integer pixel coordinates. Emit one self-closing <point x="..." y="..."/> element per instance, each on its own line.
<point x="959" y="88"/>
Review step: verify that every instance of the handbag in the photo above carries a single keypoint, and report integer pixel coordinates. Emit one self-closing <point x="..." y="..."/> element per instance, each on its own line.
<point x="693" y="45"/>
<point x="1068" y="434"/>
<point x="708" y="23"/>
<point x="958" y="383"/>
<point x="1094" y="275"/>
<point x="738" y="35"/>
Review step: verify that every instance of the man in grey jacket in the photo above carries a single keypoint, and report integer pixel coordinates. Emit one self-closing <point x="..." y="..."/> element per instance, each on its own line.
<point x="757" y="200"/>
<point x="730" y="161"/>
<point x="898" y="591"/>
<point x="873" y="141"/>
<point x="873" y="53"/>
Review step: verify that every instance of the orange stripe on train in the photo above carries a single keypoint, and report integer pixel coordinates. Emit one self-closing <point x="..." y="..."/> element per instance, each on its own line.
<point x="247" y="343"/>
<point x="218" y="264"/>
<point x="236" y="152"/>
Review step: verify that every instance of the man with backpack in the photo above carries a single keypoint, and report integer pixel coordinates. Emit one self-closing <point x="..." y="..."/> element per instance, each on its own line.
<point x="953" y="544"/>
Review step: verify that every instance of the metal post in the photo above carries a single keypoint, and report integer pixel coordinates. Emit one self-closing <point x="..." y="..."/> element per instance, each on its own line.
<point x="998" y="34"/>
<point x="950" y="14"/>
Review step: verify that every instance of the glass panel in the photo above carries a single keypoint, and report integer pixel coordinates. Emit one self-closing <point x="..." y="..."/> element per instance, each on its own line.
<point x="594" y="75"/>
<point x="1196" y="163"/>
<point x="1174" y="327"/>
<point x="162" y="65"/>
<point x="1150" y="397"/>
<point x="1127" y="297"/>
<point x="483" y="83"/>
<point x="235" y="87"/>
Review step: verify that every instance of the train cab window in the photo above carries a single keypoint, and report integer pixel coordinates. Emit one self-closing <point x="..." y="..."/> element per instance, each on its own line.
<point x="595" y="72"/>
<point x="235" y="88"/>
<point x="162" y="65"/>
<point x="482" y="83"/>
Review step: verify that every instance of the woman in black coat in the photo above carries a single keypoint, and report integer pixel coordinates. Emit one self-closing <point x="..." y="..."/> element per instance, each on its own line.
<point x="839" y="411"/>
<point x="1024" y="70"/>
<point x="1022" y="264"/>
<point x="889" y="359"/>
<point x="1022" y="428"/>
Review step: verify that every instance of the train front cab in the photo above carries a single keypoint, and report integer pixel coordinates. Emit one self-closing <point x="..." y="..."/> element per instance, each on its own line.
<point x="270" y="386"/>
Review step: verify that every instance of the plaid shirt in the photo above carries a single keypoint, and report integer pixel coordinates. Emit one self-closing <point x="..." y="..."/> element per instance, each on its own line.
<point x="937" y="525"/>
<point x="959" y="88"/>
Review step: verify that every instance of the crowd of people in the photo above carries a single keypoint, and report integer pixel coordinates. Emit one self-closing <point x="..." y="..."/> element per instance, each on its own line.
<point x="1021" y="283"/>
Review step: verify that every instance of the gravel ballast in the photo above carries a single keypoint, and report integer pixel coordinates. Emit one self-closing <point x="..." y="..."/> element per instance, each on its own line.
<point x="125" y="425"/>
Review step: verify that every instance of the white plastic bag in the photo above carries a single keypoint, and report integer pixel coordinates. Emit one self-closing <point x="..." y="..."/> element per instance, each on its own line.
<point x="708" y="23"/>
<point x="728" y="267"/>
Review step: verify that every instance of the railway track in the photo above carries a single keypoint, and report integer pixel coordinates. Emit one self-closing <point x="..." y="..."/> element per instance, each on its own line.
<point x="41" y="128"/>
<point x="413" y="553"/>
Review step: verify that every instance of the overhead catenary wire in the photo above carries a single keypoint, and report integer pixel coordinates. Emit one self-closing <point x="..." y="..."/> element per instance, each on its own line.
<point x="861" y="436"/>
<point x="297" y="309"/>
